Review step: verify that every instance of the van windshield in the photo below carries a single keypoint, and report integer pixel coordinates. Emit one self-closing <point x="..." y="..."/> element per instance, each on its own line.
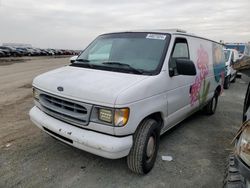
<point x="130" y="52"/>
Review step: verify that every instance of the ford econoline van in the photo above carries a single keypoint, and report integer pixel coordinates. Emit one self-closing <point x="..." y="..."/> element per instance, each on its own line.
<point x="128" y="88"/>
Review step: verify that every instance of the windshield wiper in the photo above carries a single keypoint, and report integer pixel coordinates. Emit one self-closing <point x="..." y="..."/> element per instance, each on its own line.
<point x="137" y="71"/>
<point x="84" y="63"/>
<point x="82" y="60"/>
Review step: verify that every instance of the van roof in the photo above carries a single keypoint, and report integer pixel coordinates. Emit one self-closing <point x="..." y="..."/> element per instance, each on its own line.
<point x="161" y="30"/>
<point x="236" y="43"/>
<point x="169" y="31"/>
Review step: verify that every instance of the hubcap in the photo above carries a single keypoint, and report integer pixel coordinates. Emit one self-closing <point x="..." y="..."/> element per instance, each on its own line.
<point x="150" y="147"/>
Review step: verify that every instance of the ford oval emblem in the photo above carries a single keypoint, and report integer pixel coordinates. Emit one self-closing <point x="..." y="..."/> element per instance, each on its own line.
<point x="60" y="88"/>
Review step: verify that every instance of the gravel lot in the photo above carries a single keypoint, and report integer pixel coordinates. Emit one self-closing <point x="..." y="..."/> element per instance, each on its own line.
<point x="30" y="158"/>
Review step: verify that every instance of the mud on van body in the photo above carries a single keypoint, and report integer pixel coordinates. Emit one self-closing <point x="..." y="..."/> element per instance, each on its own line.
<point x="126" y="89"/>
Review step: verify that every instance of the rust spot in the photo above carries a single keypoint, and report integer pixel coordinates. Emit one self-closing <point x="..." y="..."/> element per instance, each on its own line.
<point x="69" y="133"/>
<point x="60" y="130"/>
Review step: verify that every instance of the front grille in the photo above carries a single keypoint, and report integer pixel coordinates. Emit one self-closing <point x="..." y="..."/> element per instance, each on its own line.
<point x="70" y="106"/>
<point x="73" y="112"/>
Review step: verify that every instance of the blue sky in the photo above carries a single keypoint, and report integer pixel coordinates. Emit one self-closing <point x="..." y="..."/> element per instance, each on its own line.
<point x="75" y="23"/>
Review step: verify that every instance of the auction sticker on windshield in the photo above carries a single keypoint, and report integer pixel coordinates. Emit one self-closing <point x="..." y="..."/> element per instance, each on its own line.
<point x="156" y="36"/>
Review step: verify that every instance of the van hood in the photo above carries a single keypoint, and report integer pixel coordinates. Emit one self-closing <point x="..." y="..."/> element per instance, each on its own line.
<point x="87" y="85"/>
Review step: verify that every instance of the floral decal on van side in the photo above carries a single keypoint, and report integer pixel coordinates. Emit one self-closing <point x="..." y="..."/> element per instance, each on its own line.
<point x="199" y="90"/>
<point x="218" y="63"/>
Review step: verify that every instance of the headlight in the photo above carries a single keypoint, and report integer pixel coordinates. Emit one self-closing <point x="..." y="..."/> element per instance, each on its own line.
<point x="110" y="116"/>
<point x="105" y="115"/>
<point x="35" y="94"/>
<point x="243" y="146"/>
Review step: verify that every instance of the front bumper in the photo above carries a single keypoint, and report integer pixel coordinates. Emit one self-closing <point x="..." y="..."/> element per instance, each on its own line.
<point x="97" y="143"/>
<point x="243" y="168"/>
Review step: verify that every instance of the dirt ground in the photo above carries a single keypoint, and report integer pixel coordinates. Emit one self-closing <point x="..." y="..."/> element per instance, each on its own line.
<point x="30" y="158"/>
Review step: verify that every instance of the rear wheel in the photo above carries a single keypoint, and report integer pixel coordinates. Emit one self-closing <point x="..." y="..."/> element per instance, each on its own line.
<point x="210" y="108"/>
<point x="227" y="82"/>
<point x="143" y="153"/>
<point x="234" y="78"/>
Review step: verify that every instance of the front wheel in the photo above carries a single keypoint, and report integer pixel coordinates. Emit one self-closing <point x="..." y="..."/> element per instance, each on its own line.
<point x="233" y="178"/>
<point x="142" y="156"/>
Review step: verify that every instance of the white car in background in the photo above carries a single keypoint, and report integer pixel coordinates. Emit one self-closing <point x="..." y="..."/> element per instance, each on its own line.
<point x="232" y="56"/>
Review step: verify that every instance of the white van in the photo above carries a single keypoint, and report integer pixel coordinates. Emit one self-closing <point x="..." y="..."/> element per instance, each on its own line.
<point x="231" y="56"/>
<point x="126" y="89"/>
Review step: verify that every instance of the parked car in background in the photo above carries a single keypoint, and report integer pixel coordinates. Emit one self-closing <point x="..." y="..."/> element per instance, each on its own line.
<point x="238" y="169"/>
<point x="11" y="50"/>
<point x="50" y="52"/>
<point x="23" y="51"/>
<point x="231" y="56"/>
<point x="128" y="88"/>
<point x="2" y="54"/>
<point x="32" y="52"/>
<point x="242" y="48"/>
<point x="244" y="53"/>
<point x="18" y="51"/>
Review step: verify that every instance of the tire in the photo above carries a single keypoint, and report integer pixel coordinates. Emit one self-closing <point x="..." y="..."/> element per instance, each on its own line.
<point x="233" y="178"/>
<point x="210" y="108"/>
<point x="142" y="156"/>
<point x="233" y="81"/>
<point x="227" y="82"/>
<point x="246" y="104"/>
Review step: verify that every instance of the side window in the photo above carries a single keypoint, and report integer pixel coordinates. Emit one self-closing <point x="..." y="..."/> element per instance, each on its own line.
<point x="180" y="51"/>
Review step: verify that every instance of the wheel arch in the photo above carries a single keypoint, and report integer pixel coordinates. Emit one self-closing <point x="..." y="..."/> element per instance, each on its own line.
<point x="158" y="116"/>
<point x="218" y="90"/>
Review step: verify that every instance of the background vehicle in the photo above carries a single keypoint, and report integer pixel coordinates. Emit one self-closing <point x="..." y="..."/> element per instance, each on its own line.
<point x="2" y="54"/>
<point x="21" y="50"/>
<point x="238" y="170"/>
<point x="12" y="51"/>
<point x="242" y="48"/>
<point x="231" y="56"/>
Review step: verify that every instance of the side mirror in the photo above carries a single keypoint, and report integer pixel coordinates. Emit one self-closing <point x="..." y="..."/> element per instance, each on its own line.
<point x="73" y="59"/>
<point x="185" y="67"/>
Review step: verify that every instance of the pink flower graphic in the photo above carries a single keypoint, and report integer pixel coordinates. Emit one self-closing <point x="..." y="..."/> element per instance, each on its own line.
<point x="202" y="63"/>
